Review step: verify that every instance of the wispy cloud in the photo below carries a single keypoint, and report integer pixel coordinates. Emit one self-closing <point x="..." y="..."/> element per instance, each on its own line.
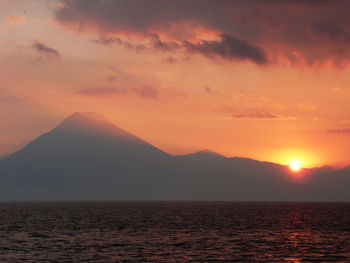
<point x="115" y="40"/>
<point x="45" y="50"/>
<point x="102" y="92"/>
<point x="209" y="90"/>
<point x="111" y="78"/>
<point x="8" y="98"/>
<point x="343" y="131"/>
<point x="144" y="91"/>
<point x="5" y="96"/>
<point x="255" y="115"/>
<point x="14" y="20"/>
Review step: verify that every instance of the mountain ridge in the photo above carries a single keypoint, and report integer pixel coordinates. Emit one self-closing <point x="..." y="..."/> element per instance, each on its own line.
<point x="86" y="157"/>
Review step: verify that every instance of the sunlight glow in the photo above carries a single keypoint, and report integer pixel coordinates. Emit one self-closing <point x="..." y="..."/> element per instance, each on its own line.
<point x="295" y="166"/>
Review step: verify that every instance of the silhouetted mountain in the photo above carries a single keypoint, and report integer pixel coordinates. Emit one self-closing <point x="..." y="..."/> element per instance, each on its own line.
<point x="83" y="157"/>
<point x="203" y="155"/>
<point x="4" y="155"/>
<point x="88" y="158"/>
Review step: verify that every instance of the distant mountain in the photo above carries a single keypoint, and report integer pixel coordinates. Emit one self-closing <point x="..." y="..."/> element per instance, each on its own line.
<point x="88" y="158"/>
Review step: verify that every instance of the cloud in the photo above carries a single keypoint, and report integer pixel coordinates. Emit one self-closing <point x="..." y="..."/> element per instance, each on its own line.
<point x="170" y="60"/>
<point x="209" y="90"/>
<point x="144" y="91"/>
<point x="163" y="45"/>
<point x="45" y="50"/>
<point x="310" y="3"/>
<point x="115" y="40"/>
<point x="6" y="96"/>
<point x="107" y="40"/>
<point x="307" y="106"/>
<point x="328" y="30"/>
<point x="101" y="92"/>
<point x="344" y="131"/>
<point x="255" y="115"/>
<point x="147" y="91"/>
<point x="256" y="30"/>
<point x="14" y="20"/>
<point x="229" y="47"/>
<point x="111" y="78"/>
<point x="156" y="43"/>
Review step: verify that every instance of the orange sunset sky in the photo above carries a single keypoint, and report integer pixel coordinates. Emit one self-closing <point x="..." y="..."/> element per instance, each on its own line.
<point x="265" y="79"/>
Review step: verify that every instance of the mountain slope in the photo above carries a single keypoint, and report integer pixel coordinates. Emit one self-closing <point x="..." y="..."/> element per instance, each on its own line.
<point x="82" y="155"/>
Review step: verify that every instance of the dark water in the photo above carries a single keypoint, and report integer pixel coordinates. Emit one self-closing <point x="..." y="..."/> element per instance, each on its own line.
<point x="174" y="232"/>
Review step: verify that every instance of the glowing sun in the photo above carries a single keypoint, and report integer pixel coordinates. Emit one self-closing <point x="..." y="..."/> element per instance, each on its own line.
<point x="295" y="166"/>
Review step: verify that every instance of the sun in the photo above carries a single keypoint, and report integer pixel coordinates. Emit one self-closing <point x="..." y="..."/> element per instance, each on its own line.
<point x="295" y="166"/>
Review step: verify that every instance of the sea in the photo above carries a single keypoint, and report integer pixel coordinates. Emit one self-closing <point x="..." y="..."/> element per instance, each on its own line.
<point x="174" y="232"/>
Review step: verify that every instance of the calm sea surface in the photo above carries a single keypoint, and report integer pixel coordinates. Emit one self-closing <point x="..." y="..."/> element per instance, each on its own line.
<point x="174" y="232"/>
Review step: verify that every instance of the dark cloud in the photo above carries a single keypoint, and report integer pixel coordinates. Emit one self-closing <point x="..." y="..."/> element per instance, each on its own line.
<point x="345" y="131"/>
<point x="118" y="41"/>
<point x="45" y="50"/>
<point x="162" y="45"/>
<point x="254" y="30"/>
<point x="140" y="15"/>
<point x="329" y="30"/>
<point x="298" y="2"/>
<point x="228" y="47"/>
<point x="114" y="15"/>
<point x="108" y="40"/>
<point x="255" y="115"/>
<point x="156" y="43"/>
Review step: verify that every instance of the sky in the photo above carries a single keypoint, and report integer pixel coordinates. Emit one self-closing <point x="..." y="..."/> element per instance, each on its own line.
<point x="263" y="79"/>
